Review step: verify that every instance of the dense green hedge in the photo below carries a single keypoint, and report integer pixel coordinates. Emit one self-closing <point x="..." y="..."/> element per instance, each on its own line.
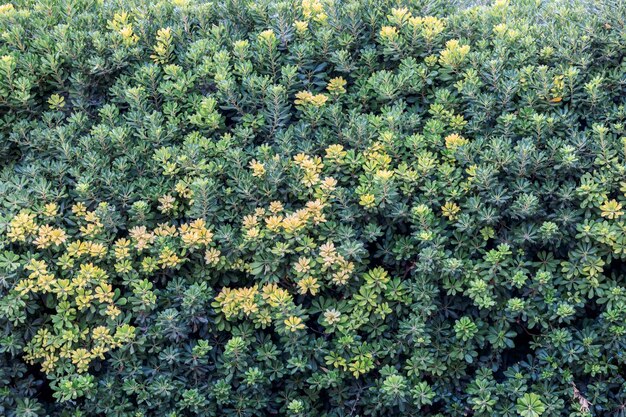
<point x="312" y="208"/>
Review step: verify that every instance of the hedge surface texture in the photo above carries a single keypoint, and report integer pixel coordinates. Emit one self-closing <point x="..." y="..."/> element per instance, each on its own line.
<point x="312" y="208"/>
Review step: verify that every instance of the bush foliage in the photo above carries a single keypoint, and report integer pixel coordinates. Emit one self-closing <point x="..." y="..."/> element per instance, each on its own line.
<point x="312" y="208"/>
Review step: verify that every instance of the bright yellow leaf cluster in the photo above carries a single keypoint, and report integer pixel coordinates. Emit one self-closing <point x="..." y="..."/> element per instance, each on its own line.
<point x="337" y="85"/>
<point x="340" y="269"/>
<point x="6" y="9"/>
<point x="388" y="33"/>
<point x="368" y="201"/>
<point x="611" y="209"/>
<point x="454" y="54"/>
<point x="261" y="304"/>
<point x="80" y="348"/>
<point x="454" y="141"/>
<point x="22" y="226"/>
<point x="313" y="9"/>
<point x="48" y="236"/>
<point x="311" y="168"/>
<point x="163" y="48"/>
<point x="293" y="324"/>
<point x="195" y="234"/>
<point x="450" y="210"/>
<point x="258" y="169"/>
<point x="335" y="153"/>
<point x="123" y="26"/>
<point x="301" y="26"/>
<point x="429" y="26"/>
<point x="304" y="98"/>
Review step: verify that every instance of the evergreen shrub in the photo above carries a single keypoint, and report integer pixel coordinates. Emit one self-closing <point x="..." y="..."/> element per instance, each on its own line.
<point x="312" y="208"/>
